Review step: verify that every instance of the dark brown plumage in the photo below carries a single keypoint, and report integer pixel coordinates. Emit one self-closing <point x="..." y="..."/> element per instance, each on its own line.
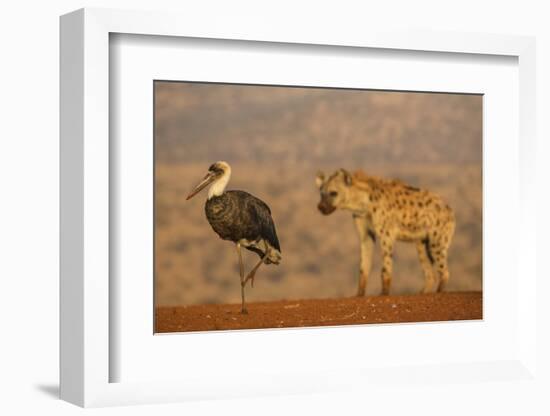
<point x="239" y="216"/>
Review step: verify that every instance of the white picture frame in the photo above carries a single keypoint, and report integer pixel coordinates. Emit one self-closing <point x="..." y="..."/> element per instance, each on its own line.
<point x="86" y="301"/>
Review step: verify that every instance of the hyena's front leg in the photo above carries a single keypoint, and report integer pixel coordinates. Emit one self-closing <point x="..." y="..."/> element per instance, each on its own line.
<point x="366" y="241"/>
<point x="387" y="262"/>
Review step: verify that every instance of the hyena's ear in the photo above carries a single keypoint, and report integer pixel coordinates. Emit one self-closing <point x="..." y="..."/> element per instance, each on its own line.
<point x="347" y="177"/>
<point x="320" y="179"/>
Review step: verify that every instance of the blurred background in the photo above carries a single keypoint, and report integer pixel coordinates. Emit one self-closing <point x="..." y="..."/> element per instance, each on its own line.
<point x="276" y="139"/>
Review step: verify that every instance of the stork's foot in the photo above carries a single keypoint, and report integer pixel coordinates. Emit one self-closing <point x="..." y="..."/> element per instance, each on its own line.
<point x="251" y="278"/>
<point x="244" y="311"/>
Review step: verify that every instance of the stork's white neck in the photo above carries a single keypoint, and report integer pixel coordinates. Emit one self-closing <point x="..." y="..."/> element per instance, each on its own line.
<point x="218" y="187"/>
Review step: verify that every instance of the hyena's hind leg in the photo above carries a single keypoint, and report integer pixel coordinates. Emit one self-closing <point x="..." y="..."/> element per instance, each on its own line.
<point x="426" y="261"/>
<point x="440" y="251"/>
<point x="387" y="262"/>
<point x="442" y="266"/>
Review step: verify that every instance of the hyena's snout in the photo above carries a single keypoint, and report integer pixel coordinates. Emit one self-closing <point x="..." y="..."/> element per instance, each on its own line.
<point x="325" y="207"/>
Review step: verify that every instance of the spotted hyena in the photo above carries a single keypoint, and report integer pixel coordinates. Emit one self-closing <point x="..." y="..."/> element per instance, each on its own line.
<point x="390" y="211"/>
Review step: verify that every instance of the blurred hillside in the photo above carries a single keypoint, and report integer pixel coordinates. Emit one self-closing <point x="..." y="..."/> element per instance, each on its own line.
<point x="320" y="126"/>
<point x="276" y="139"/>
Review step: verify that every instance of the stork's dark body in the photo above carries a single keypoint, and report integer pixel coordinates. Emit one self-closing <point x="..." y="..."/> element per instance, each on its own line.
<point x="239" y="216"/>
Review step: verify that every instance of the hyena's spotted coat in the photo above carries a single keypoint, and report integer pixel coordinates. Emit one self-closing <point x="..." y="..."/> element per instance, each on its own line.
<point x="389" y="210"/>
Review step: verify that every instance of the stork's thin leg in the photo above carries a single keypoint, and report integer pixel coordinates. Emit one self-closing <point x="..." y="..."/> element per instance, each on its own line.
<point x="241" y="271"/>
<point x="252" y="273"/>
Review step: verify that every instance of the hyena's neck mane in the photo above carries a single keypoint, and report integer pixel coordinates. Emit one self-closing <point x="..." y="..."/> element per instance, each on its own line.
<point x="367" y="190"/>
<point x="373" y="184"/>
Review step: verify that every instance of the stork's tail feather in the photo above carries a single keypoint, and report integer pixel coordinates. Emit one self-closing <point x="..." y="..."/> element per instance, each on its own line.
<point x="259" y="247"/>
<point x="273" y="256"/>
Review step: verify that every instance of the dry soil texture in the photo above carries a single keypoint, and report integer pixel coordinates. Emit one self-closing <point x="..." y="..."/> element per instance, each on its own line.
<point x="322" y="312"/>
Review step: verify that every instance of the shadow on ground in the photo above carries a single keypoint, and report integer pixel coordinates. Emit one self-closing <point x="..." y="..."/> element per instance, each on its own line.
<point x="51" y="390"/>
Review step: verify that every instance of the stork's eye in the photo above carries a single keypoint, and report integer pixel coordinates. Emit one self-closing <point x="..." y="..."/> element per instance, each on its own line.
<point x="215" y="170"/>
<point x="333" y="193"/>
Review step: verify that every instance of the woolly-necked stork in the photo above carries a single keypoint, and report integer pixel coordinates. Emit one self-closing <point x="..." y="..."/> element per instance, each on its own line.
<point x="239" y="217"/>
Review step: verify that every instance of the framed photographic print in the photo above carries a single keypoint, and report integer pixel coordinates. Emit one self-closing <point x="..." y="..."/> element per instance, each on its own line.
<point x="261" y="212"/>
<point x="280" y="140"/>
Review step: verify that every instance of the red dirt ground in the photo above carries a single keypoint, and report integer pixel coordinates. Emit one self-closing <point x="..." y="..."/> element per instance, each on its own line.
<point x="322" y="312"/>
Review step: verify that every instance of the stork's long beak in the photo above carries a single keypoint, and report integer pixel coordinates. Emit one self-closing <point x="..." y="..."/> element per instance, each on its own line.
<point x="207" y="180"/>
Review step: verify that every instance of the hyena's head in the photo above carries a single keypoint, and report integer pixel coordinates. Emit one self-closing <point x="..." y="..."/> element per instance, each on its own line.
<point x="334" y="190"/>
